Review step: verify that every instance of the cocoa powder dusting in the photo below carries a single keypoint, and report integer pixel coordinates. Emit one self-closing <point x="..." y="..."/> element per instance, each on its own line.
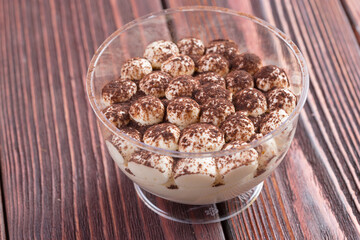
<point x="209" y="91"/>
<point x="129" y="171"/>
<point x="238" y="80"/>
<point x="249" y="99"/>
<point x="248" y="62"/>
<point x="161" y="130"/>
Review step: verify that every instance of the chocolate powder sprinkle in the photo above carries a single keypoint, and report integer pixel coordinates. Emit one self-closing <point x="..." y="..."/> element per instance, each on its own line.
<point x="188" y="166"/>
<point x="211" y="78"/>
<point x="151" y="160"/>
<point x="162" y="130"/>
<point x="172" y="186"/>
<point x="200" y="137"/>
<point x="155" y="83"/>
<point x="118" y="91"/>
<point x="271" y="76"/>
<point x="250" y="99"/>
<point x="237" y="80"/>
<point x="227" y="48"/>
<point x="209" y="91"/>
<point x="129" y="171"/>
<point x="248" y="62"/>
<point x="213" y="62"/>
<point x="118" y="114"/>
<point x="281" y="98"/>
<point x="237" y="127"/>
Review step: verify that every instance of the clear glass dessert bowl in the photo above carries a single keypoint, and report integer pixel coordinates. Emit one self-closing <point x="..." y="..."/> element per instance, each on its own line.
<point x="204" y="197"/>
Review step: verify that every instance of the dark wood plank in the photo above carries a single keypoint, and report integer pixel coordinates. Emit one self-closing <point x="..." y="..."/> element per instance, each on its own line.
<point x="352" y="9"/>
<point x="2" y="216"/>
<point x="314" y="194"/>
<point x="2" y="76"/>
<point x="59" y="181"/>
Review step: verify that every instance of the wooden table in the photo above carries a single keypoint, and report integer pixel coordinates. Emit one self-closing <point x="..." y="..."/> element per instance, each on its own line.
<point x="58" y="181"/>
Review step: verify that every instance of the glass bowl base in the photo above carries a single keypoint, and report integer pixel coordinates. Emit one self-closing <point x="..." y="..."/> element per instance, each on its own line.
<point x="199" y="214"/>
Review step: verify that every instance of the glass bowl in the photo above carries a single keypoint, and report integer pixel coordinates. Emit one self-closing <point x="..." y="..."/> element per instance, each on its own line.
<point x="197" y="203"/>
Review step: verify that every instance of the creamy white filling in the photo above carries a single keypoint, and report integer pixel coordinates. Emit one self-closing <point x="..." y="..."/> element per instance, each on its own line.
<point x="267" y="152"/>
<point x="148" y="174"/>
<point x="115" y="154"/>
<point x="197" y="189"/>
<point x="240" y="174"/>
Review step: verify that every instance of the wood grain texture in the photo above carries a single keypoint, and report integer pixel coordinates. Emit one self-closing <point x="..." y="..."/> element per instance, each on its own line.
<point x="2" y="207"/>
<point x="2" y="216"/>
<point x="314" y="194"/>
<point x="352" y="9"/>
<point x="59" y="181"/>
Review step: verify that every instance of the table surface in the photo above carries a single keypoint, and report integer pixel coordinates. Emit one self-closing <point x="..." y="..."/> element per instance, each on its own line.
<point x="58" y="181"/>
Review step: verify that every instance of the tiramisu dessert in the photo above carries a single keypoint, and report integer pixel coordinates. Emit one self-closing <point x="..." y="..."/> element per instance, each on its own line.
<point x="192" y="97"/>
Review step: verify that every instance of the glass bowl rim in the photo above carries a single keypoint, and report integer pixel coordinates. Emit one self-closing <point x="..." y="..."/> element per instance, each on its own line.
<point x="290" y="44"/>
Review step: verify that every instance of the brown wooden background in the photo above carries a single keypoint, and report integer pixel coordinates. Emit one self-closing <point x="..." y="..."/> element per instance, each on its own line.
<point x="58" y="181"/>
